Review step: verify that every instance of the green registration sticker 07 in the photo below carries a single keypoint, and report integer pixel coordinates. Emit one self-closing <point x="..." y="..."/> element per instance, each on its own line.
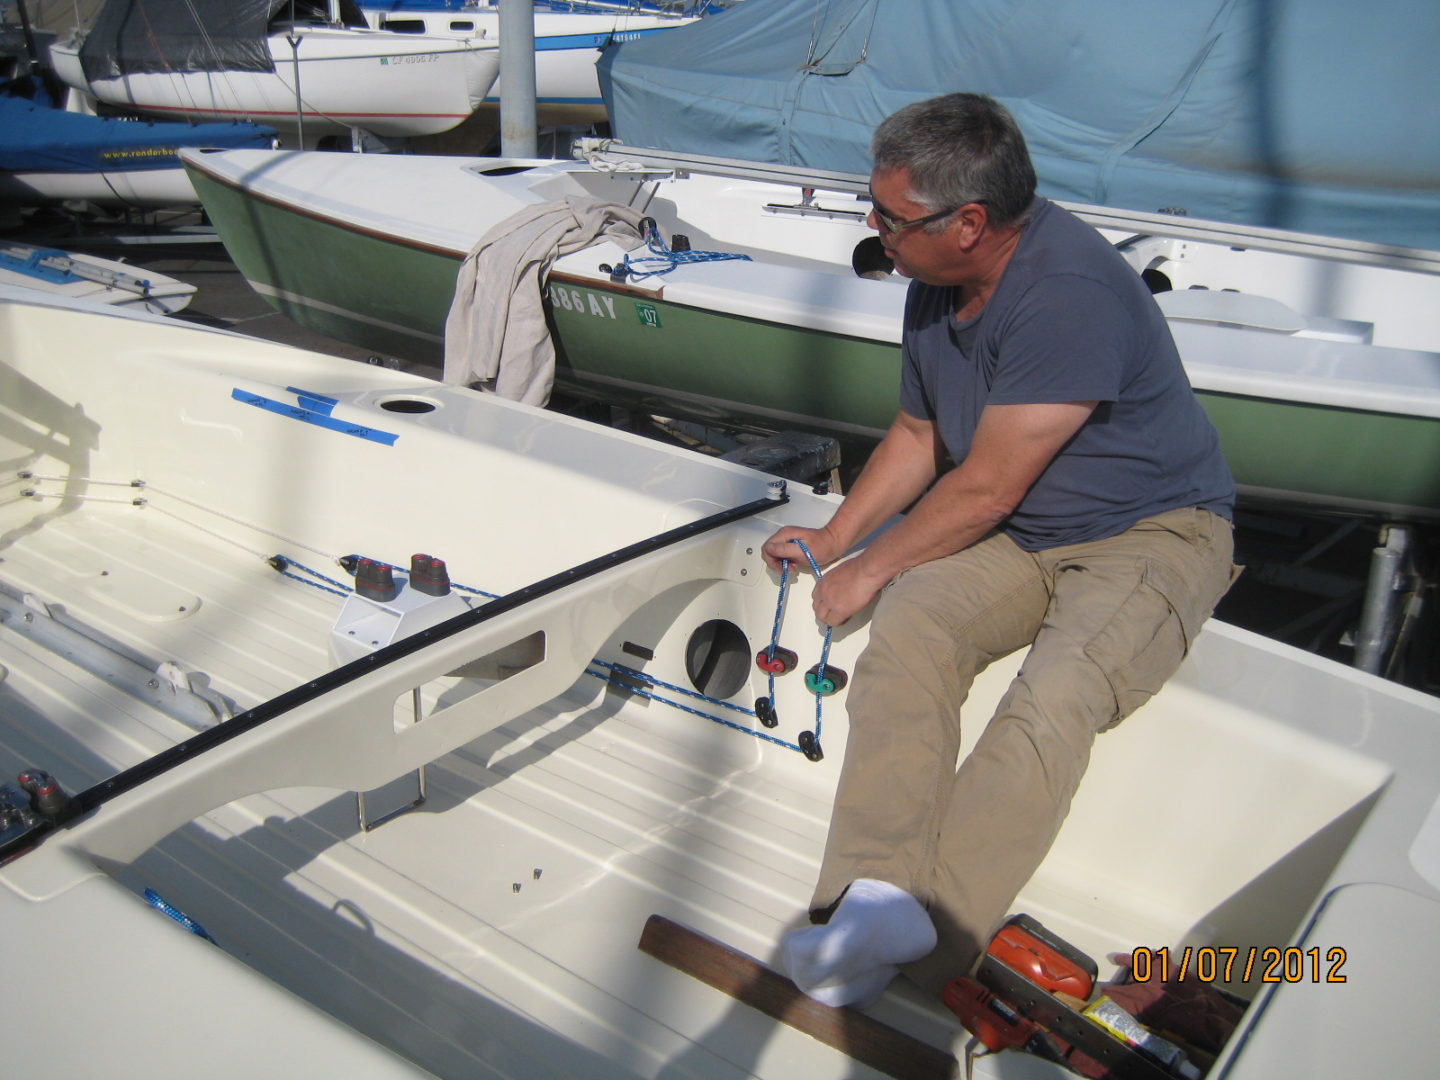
<point x="649" y="315"/>
<point x="1230" y="963"/>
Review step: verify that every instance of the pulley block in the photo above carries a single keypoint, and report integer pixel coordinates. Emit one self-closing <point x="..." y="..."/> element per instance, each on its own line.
<point x="810" y="745"/>
<point x="765" y="712"/>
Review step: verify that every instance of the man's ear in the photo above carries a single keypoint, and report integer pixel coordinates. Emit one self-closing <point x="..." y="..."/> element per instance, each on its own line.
<point x="970" y="222"/>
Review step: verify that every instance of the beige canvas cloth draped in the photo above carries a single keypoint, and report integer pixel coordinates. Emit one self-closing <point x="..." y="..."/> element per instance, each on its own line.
<point x="495" y="333"/>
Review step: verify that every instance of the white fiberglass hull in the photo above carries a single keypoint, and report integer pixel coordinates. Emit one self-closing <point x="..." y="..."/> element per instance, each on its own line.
<point x="149" y="188"/>
<point x="1264" y="800"/>
<point x="567" y="44"/>
<point x="386" y="84"/>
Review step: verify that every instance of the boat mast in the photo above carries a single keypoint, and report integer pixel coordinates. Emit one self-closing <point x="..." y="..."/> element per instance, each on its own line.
<point x="518" y="136"/>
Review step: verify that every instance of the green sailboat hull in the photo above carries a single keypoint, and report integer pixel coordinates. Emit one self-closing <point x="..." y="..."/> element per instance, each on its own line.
<point x="620" y="345"/>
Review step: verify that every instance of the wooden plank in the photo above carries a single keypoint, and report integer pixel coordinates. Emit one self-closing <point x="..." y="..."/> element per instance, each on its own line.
<point x="850" y="1031"/>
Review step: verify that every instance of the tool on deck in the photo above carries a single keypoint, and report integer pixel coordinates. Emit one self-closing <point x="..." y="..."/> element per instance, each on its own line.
<point x="1032" y="992"/>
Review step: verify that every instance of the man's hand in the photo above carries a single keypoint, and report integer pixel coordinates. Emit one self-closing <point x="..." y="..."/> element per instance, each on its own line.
<point x="845" y="589"/>
<point x="821" y="543"/>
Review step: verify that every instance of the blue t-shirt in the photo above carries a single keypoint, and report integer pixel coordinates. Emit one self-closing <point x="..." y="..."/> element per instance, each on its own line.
<point x="1069" y="321"/>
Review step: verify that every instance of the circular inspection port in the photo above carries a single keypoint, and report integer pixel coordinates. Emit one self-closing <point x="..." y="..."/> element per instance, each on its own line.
<point x="408" y="405"/>
<point x="717" y="659"/>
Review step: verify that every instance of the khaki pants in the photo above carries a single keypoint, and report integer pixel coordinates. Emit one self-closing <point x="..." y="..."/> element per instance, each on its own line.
<point x="1108" y="622"/>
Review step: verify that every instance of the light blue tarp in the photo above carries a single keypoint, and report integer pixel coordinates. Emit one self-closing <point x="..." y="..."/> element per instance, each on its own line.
<point x="1321" y="116"/>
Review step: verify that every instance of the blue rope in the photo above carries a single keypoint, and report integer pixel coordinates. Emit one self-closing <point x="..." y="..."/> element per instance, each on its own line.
<point x="630" y="673"/>
<point x="653" y="681"/>
<point x="825" y="648"/>
<point x="162" y="905"/>
<point x="477" y="592"/>
<point x="775" y="627"/>
<point x="282" y="565"/>
<point x="667" y="260"/>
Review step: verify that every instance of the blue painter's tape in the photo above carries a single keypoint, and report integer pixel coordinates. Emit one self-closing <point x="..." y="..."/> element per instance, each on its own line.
<point x="314" y="402"/>
<point x="313" y="416"/>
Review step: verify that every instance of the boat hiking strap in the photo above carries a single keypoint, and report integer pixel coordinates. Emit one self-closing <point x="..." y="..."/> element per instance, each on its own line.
<point x="867" y="1040"/>
<point x="183" y="752"/>
<point x="290" y="567"/>
<point x="632" y="680"/>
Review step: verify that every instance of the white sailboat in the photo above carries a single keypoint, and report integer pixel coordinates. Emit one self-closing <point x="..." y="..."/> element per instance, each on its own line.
<point x="568" y="40"/>
<point x="208" y="689"/>
<point x="317" y="70"/>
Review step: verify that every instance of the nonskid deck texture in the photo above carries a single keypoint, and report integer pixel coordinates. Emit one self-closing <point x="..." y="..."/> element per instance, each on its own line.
<point x="494" y="920"/>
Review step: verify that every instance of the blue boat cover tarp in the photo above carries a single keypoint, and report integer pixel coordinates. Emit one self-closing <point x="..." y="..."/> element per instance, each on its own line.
<point x="1312" y="115"/>
<point x="35" y="136"/>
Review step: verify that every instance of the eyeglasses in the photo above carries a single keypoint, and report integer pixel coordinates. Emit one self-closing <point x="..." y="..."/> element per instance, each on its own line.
<point x="892" y="226"/>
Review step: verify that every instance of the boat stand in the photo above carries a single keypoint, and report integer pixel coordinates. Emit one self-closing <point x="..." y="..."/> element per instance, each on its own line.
<point x="1393" y="599"/>
<point x="1370" y="599"/>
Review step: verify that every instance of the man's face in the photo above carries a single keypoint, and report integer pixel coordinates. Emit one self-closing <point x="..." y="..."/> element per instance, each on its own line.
<point x="932" y="257"/>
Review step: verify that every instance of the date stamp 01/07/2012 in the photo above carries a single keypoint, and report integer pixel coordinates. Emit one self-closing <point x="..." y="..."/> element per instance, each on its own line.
<point x="1230" y="963"/>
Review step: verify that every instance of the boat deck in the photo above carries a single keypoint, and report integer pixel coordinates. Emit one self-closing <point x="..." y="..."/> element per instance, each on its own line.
<point x="518" y="890"/>
<point x="493" y="931"/>
<point x="504" y="913"/>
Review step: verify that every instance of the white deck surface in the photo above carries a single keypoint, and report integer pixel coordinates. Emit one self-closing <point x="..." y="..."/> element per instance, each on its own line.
<point x="415" y="932"/>
<point x="493" y="931"/>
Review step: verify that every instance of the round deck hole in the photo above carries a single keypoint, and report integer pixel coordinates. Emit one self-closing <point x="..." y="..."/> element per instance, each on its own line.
<point x="717" y="658"/>
<point x="408" y="405"/>
<point x="1158" y="280"/>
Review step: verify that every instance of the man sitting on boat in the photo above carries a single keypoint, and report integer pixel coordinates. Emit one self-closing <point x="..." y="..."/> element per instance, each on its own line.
<point x="1086" y="517"/>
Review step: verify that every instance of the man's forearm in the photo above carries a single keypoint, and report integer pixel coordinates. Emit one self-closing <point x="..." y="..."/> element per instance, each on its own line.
<point x="1013" y="446"/>
<point x="950" y="517"/>
<point x="899" y="471"/>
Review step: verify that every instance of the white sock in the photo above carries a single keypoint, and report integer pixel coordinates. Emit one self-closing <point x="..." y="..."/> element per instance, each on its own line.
<point x="861" y="993"/>
<point x="852" y="958"/>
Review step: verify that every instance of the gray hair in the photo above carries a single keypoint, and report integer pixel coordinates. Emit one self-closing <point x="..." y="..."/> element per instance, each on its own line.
<point x="958" y="149"/>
